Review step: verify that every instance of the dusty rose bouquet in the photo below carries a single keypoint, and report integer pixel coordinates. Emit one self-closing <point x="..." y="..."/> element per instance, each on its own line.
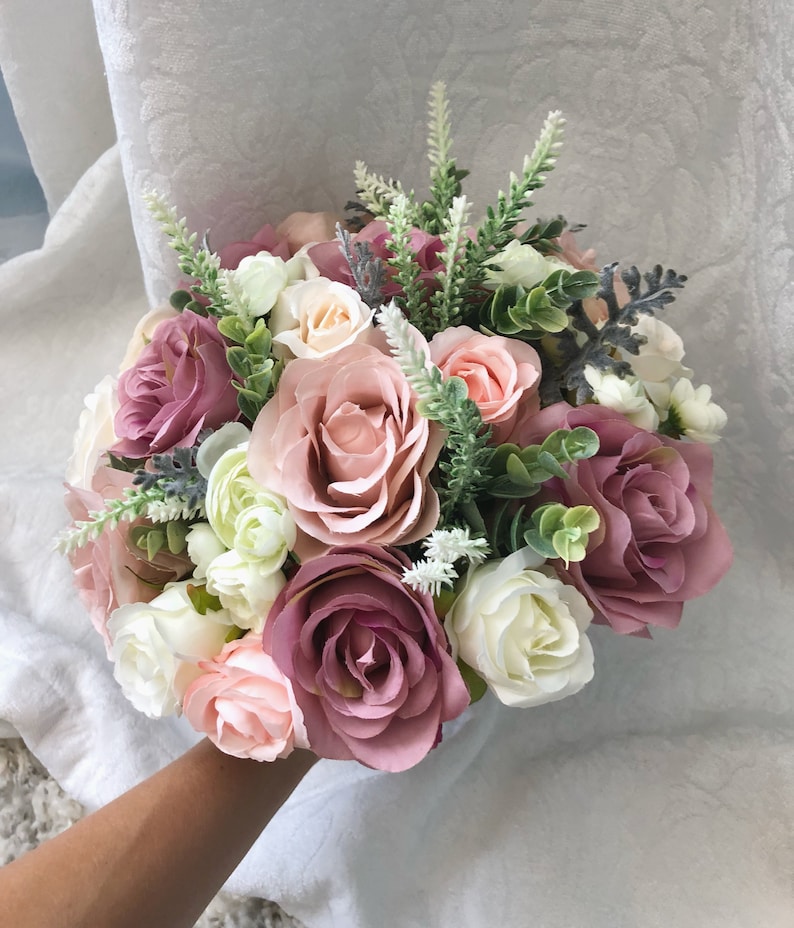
<point x="358" y="473"/>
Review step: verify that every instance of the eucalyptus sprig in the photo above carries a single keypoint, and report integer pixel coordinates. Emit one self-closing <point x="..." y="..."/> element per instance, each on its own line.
<point x="251" y="360"/>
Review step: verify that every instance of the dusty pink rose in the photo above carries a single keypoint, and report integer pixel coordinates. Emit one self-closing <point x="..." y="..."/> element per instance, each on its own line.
<point x="245" y="704"/>
<point x="179" y="384"/>
<point x="659" y="542"/>
<point x="289" y="236"/>
<point x="110" y="571"/>
<point x="367" y="657"/>
<point x="342" y="441"/>
<point x="502" y="375"/>
<point x="266" y="239"/>
<point x="332" y="264"/>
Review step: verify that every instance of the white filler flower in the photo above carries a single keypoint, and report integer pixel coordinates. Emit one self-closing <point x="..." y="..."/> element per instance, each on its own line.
<point x="522" y="630"/>
<point x="694" y="412"/>
<point x="623" y="394"/>
<point x="261" y="277"/>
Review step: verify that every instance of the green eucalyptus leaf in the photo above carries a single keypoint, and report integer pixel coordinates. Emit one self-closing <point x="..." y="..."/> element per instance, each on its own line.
<point x="233" y="328"/>
<point x="238" y="360"/>
<point x="550" y="464"/>
<point x="202" y="601"/>
<point x="455" y="390"/>
<point x="180" y="298"/>
<point x="474" y="682"/>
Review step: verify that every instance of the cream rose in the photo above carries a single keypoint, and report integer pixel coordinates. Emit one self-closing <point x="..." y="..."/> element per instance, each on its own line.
<point x="522" y="265"/>
<point x="262" y="277"/>
<point x="144" y="331"/>
<point x="315" y="318"/>
<point x="247" y="589"/>
<point x="156" y="648"/>
<point x="661" y="355"/>
<point x="94" y="434"/>
<point x="203" y="546"/>
<point x="522" y="630"/>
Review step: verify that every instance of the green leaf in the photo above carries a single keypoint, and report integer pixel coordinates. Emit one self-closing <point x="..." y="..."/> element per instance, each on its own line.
<point x="455" y="390"/>
<point x="203" y="602"/>
<point x="180" y="298"/>
<point x="233" y="328"/>
<point x="474" y="682"/>
<point x="238" y="360"/>
<point x="550" y="464"/>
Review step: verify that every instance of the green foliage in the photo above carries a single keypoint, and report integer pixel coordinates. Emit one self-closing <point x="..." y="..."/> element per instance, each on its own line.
<point x="517" y="473"/>
<point x="171" y="536"/>
<point x="377" y="195"/>
<point x="475" y="684"/>
<point x="249" y="358"/>
<point x="202" y="601"/>
<point x="176" y="475"/>
<point x="559" y="531"/>
<point x="408" y="271"/>
<point x="543" y="234"/>
<point x="445" y="178"/>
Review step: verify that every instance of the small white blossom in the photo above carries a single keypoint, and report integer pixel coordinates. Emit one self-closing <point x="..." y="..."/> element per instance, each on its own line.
<point x="698" y="417"/>
<point x="428" y="576"/>
<point x="623" y="394"/>
<point x="455" y="543"/>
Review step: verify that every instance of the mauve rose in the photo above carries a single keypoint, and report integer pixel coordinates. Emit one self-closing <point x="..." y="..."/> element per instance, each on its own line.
<point x="659" y="542"/>
<point x="245" y="704"/>
<point x="331" y="263"/>
<point x="179" y="385"/>
<point x="342" y="441"/>
<point x="367" y="657"/>
<point x="502" y="375"/>
<point x="266" y="239"/>
<point x="110" y="571"/>
<point x="297" y="230"/>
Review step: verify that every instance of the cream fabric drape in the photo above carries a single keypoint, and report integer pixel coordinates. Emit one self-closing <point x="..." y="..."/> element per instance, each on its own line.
<point x="663" y="794"/>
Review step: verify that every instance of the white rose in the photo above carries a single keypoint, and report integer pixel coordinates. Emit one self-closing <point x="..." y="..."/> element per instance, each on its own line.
<point x="94" y="433"/>
<point x="694" y="413"/>
<point x="623" y="394"/>
<point x="244" y="588"/>
<point x="262" y="277"/>
<point x="203" y="546"/>
<point x="266" y="532"/>
<point x="300" y="266"/>
<point x="156" y="648"/>
<point x="522" y="265"/>
<point x="522" y="629"/>
<point x="315" y="318"/>
<point x="144" y="331"/>
<point x="231" y="490"/>
<point x="660" y="357"/>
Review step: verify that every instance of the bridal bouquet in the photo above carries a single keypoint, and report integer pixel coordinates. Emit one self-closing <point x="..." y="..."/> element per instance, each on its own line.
<point x="357" y="473"/>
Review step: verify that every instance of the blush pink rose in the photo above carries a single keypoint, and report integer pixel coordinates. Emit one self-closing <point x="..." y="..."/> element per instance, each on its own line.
<point x="110" y="571"/>
<point x="297" y="230"/>
<point x="331" y="263"/>
<point x="179" y="384"/>
<point x="266" y="239"/>
<point x="367" y="657"/>
<point x="245" y="704"/>
<point x="502" y="375"/>
<point x="659" y="542"/>
<point x="595" y="308"/>
<point x="342" y="441"/>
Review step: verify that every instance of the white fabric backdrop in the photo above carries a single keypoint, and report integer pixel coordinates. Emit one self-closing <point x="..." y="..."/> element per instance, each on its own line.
<point x="663" y="794"/>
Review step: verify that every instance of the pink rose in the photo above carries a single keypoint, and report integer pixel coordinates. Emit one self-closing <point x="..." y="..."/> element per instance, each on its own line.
<point x="110" y="571"/>
<point x="266" y="239"/>
<point x="502" y="375"/>
<point x="297" y="230"/>
<point x="659" y="542"/>
<point x="331" y="263"/>
<point x="245" y="704"/>
<point x="341" y="439"/>
<point x="179" y="384"/>
<point x="367" y="657"/>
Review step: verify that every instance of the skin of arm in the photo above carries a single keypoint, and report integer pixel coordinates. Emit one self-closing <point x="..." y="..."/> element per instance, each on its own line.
<point x="156" y="855"/>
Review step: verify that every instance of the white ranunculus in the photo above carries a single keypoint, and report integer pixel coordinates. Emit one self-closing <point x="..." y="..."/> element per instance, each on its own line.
<point x="522" y="265"/>
<point x="522" y="629"/>
<point x="315" y="318"/>
<point x="245" y="588"/>
<point x="660" y="357"/>
<point x="231" y="490"/>
<point x="203" y="546"/>
<point x="623" y="394"/>
<point x="262" y="277"/>
<point x="266" y="532"/>
<point x="156" y="648"/>
<point x="94" y="434"/>
<point x="697" y="416"/>
<point x="228" y="436"/>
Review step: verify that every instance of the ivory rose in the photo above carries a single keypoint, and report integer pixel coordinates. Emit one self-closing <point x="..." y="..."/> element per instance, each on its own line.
<point x="179" y="385"/>
<point x="502" y="375"/>
<point x="367" y="658"/>
<point x="94" y="433"/>
<point x="342" y="441"/>
<point x="659" y="542"/>
<point x="315" y="318"/>
<point x="245" y="704"/>
<point x="522" y="629"/>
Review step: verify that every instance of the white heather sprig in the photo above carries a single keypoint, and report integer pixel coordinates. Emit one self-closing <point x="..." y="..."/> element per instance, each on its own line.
<point x="438" y="134"/>
<point x="235" y="299"/>
<point x="135" y="504"/>
<point x="201" y="264"/>
<point x="448" y="300"/>
<point x="451" y="544"/>
<point x="376" y="193"/>
<point x="418" y="370"/>
<point x="443" y="548"/>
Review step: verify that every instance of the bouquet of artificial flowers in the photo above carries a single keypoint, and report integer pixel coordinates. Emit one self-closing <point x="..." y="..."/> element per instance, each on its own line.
<point x="357" y="473"/>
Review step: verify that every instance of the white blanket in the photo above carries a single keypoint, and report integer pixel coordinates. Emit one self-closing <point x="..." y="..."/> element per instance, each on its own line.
<point x="662" y="794"/>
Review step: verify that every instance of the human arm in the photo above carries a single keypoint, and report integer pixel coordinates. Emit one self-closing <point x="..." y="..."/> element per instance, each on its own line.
<point x="156" y="855"/>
